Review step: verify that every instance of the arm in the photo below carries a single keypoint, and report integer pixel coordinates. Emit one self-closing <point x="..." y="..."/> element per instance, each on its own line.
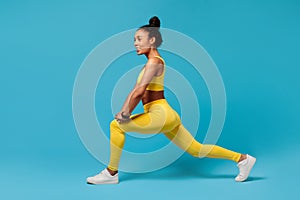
<point x="126" y="104"/>
<point x="138" y="91"/>
<point x="128" y="98"/>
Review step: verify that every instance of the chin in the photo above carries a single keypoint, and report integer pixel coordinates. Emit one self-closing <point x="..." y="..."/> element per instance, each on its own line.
<point x="139" y="53"/>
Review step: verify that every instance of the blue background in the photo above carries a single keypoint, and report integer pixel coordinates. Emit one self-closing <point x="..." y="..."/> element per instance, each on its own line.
<point x="255" y="45"/>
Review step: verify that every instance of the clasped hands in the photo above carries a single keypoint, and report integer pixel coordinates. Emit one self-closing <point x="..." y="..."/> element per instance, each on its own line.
<point x="122" y="117"/>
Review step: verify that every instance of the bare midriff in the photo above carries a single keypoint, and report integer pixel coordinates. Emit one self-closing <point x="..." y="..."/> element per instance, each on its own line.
<point x="152" y="96"/>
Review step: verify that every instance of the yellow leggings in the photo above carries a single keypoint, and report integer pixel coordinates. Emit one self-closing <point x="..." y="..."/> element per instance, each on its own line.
<point x="159" y="117"/>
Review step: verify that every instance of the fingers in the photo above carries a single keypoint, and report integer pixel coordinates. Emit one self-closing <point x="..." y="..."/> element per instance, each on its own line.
<point x="122" y="121"/>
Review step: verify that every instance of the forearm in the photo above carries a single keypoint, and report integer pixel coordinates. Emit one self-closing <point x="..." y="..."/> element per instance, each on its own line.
<point x="131" y="102"/>
<point x="126" y="103"/>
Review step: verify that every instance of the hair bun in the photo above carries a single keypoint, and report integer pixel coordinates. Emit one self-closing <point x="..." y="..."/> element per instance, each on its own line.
<point x="154" y="22"/>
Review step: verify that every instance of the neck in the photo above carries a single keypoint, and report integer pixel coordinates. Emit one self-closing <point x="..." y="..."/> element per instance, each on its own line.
<point x="153" y="52"/>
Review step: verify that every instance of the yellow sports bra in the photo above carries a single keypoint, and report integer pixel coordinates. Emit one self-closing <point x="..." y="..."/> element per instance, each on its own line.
<point x="157" y="82"/>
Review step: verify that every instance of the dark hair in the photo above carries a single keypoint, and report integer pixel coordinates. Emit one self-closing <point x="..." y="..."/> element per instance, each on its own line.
<point x="153" y="29"/>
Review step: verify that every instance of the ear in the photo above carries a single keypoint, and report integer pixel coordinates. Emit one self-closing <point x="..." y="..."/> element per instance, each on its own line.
<point x="152" y="40"/>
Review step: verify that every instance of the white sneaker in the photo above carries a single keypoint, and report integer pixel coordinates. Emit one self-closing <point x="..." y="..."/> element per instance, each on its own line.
<point x="245" y="167"/>
<point x="103" y="177"/>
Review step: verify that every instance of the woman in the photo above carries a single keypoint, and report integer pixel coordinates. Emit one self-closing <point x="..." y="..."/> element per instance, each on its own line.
<point x="158" y="116"/>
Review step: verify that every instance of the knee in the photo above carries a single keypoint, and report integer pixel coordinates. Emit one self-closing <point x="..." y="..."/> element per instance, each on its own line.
<point x="195" y="149"/>
<point x="115" y="127"/>
<point x="205" y="150"/>
<point x="114" y="124"/>
<point x="193" y="152"/>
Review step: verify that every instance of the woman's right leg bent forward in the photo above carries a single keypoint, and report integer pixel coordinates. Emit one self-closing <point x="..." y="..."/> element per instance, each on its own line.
<point x="146" y="123"/>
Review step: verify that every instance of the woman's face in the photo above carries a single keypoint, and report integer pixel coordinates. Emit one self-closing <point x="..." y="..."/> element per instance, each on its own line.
<point x="142" y="42"/>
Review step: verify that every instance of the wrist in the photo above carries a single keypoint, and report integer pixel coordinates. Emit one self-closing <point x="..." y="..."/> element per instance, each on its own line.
<point x="125" y="114"/>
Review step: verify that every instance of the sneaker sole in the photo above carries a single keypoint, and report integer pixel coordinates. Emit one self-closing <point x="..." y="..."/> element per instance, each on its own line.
<point x="103" y="183"/>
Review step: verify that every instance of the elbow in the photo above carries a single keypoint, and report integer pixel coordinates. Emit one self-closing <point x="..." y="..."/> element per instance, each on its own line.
<point x="138" y="94"/>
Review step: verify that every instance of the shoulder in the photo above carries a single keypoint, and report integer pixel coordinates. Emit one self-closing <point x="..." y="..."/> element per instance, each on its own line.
<point x="154" y="60"/>
<point x="154" y="63"/>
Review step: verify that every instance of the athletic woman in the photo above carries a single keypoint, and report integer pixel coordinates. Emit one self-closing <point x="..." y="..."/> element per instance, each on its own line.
<point x="158" y="116"/>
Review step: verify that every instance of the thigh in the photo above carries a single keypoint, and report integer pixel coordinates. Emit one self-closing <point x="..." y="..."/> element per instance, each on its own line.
<point x="148" y="123"/>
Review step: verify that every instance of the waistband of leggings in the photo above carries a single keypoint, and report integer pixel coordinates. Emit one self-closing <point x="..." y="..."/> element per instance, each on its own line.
<point x="158" y="101"/>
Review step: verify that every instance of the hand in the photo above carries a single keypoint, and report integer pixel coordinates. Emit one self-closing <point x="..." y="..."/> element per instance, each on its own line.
<point x="121" y="117"/>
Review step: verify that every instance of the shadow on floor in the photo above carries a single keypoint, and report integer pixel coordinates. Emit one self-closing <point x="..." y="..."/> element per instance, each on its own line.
<point x="188" y="168"/>
<point x="182" y="176"/>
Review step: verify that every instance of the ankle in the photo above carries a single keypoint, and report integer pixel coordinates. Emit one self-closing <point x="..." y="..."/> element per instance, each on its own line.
<point x="112" y="172"/>
<point x="243" y="157"/>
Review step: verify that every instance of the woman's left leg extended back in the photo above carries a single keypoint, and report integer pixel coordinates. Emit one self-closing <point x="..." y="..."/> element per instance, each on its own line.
<point x="183" y="139"/>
